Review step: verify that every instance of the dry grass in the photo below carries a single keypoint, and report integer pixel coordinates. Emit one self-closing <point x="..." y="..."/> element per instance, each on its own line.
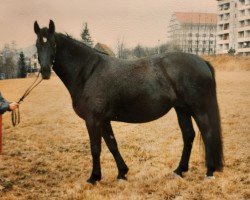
<point x="47" y="156"/>
<point x="229" y="63"/>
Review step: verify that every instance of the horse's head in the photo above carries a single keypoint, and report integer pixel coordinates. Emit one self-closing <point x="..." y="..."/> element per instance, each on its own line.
<point x="46" y="47"/>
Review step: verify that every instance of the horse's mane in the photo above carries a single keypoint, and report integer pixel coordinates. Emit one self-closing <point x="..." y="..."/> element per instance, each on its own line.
<point x="79" y="43"/>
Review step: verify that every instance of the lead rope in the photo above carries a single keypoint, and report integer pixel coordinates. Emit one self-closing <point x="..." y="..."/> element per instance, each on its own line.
<point x="15" y="114"/>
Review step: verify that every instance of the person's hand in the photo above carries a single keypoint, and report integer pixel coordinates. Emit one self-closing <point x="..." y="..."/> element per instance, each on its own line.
<point x="13" y="106"/>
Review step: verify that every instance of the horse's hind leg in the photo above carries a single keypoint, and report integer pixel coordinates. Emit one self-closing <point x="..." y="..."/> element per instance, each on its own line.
<point x="188" y="134"/>
<point x="110" y="140"/>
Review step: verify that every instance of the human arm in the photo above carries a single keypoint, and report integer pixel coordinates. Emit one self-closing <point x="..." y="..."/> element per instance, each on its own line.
<point x="7" y="106"/>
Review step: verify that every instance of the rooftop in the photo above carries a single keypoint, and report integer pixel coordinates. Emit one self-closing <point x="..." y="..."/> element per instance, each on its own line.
<point x="196" y="18"/>
<point x="104" y="48"/>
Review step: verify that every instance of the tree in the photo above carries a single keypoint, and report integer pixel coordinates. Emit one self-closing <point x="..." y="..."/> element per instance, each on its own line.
<point x="164" y="48"/>
<point x="139" y="51"/>
<point x="231" y="51"/>
<point x="86" y="38"/>
<point x="8" y="61"/>
<point x="122" y="51"/>
<point x="22" y="66"/>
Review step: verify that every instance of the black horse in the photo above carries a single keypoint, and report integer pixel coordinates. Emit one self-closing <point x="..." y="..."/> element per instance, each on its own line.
<point x="105" y="89"/>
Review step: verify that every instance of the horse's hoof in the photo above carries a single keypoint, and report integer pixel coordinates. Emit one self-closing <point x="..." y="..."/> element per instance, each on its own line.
<point x="93" y="179"/>
<point x="209" y="177"/>
<point x="122" y="177"/>
<point x="175" y="175"/>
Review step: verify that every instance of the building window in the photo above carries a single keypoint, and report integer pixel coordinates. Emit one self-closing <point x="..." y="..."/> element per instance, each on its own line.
<point x="227" y="46"/>
<point x="242" y="13"/>
<point x="226" y="6"/>
<point x="226" y="26"/>
<point x="241" y="34"/>
<point x="242" y="23"/>
<point x="221" y="17"/>
<point x="248" y="22"/>
<point x="225" y="37"/>
<point x="248" y="34"/>
<point x="226" y="17"/>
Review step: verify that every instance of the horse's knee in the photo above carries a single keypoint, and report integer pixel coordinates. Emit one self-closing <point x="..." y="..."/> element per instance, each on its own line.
<point x="95" y="151"/>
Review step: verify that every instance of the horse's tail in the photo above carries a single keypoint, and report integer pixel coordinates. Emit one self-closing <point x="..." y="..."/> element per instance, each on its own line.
<point x="216" y="140"/>
<point x="212" y="70"/>
<point x="216" y="144"/>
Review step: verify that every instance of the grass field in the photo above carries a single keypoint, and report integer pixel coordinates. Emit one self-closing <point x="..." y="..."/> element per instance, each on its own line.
<point x="48" y="156"/>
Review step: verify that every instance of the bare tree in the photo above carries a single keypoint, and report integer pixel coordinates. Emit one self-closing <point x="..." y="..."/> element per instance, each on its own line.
<point x="120" y="48"/>
<point x="139" y="51"/>
<point x="8" y="64"/>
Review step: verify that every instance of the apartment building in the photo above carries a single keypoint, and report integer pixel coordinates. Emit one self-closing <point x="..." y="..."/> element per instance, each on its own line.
<point x="233" y="28"/>
<point x="193" y="32"/>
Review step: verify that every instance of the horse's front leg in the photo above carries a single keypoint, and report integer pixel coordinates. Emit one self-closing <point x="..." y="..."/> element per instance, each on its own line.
<point x="95" y="127"/>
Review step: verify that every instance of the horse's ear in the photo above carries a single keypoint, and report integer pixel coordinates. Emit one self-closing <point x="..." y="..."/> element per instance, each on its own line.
<point x="51" y="26"/>
<point x="36" y="27"/>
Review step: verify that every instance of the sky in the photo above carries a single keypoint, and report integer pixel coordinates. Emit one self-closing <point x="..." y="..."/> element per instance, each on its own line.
<point x="133" y="21"/>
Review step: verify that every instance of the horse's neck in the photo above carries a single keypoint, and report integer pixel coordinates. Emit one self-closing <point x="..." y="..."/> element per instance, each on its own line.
<point x="73" y="63"/>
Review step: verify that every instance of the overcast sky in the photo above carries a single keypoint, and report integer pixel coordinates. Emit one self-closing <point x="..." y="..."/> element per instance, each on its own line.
<point x="137" y="21"/>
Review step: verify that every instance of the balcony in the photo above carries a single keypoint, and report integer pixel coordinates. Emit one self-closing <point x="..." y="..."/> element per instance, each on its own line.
<point x="246" y="6"/>
<point x="243" y="28"/>
<point x="225" y="2"/>
<point x="244" y="45"/>
<point x="223" y="41"/>
<point x="221" y="32"/>
<point x="243" y="4"/>
<point x="243" y="50"/>
<point x="223" y="11"/>
<point x="243" y="39"/>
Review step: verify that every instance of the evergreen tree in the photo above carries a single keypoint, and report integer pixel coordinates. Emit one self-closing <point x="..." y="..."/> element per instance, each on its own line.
<point x="231" y="51"/>
<point x="22" y="66"/>
<point x="86" y="38"/>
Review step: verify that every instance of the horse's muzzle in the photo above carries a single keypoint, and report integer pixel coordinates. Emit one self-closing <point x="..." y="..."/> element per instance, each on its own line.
<point x="46" y="72"/>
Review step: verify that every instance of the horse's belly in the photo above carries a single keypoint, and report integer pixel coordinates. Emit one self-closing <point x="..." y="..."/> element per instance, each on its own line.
<point x="141" y="114"/>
